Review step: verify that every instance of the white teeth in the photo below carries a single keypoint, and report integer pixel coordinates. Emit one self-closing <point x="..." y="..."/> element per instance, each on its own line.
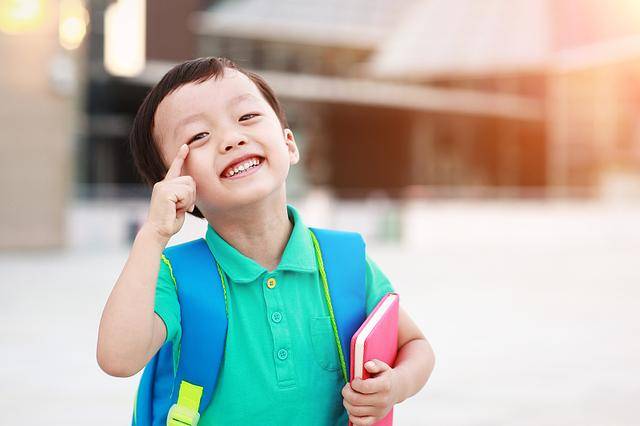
<point x="242" y="167"/>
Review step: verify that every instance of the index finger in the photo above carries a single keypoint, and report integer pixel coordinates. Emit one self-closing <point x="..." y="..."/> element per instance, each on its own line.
<point x="175" y="169"/>
<point x="370" y="385"/>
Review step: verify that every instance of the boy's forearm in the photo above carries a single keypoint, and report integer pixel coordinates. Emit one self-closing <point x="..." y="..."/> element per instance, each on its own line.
<point x="413" y="366"/>
<point x="126" y="326"/>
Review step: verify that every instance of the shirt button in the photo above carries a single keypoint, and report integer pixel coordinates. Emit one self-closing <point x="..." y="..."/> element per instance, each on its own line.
<point x="276" y="317"/>
<point x="271" y="282"/>
<point x="283" y="354"/>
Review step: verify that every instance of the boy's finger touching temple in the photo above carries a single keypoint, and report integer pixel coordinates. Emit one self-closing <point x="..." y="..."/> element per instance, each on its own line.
<point x="175" y="169"/>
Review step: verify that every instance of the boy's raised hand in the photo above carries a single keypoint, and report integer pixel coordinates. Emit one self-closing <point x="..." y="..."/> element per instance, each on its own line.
<point x="171" y="198"/>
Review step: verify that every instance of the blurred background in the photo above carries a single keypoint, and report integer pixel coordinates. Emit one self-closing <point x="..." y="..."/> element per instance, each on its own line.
<point x="488" y="150"/>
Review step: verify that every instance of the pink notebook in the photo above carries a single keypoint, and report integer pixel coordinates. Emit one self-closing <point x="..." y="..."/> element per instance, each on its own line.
<point x="377" y="338"/>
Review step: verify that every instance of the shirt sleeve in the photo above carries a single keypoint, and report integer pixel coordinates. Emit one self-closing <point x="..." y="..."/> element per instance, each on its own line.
<point x="166" y="302"/>
<point x="377" y="285"/>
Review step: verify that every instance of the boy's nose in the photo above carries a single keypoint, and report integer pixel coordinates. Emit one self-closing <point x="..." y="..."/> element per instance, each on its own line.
<point x="230" y="146"/>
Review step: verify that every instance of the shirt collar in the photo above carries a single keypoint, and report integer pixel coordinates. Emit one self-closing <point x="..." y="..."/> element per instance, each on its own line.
<point x="298" y="255"/>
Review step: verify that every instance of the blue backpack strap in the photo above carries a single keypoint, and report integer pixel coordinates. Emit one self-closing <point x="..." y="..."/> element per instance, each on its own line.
<point x="343" y="255"/>
<point x="154" y="389"/>
<point x="203" y="320"/>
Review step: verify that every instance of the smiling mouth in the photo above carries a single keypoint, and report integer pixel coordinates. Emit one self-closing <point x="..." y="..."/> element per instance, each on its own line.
<point x="242" y="169"/>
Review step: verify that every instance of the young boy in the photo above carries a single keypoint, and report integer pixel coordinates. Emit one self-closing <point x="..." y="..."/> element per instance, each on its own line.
<point x="213" y="140"/>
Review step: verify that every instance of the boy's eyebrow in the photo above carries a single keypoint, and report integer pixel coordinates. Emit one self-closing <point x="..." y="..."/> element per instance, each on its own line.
<point x="188" y="119"/>
<point x="241" y="98"/>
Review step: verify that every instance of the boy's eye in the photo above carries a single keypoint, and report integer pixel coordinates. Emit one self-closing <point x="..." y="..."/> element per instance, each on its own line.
<point x="195" y="138"/>
<point x="250" y="116"/>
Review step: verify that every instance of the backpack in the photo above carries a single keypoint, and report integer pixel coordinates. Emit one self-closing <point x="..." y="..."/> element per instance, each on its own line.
<point x="163" y="398"/>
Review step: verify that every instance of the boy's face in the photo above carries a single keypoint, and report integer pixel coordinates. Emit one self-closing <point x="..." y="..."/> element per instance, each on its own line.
<point x="222" y="121"/>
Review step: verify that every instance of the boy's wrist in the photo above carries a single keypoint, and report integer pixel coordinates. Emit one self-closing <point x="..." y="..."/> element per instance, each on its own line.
<point x="148" y="231"/>
<point x="400" y="388"/>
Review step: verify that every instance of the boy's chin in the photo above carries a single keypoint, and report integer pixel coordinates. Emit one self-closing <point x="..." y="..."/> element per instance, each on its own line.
<point x="247" y="197"/>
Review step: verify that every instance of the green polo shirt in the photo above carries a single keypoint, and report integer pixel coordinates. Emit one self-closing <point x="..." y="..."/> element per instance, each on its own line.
<point x="281" y="365"/>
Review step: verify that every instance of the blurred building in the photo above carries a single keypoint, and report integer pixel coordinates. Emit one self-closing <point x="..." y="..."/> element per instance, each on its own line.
<point x="578" y="57"/>
<point x="418" y="98"/>
<point x="357" y="133"/>
<point x="370" y="134"/>
<point x="525" y="98"/>
<point x="39" y="83"/>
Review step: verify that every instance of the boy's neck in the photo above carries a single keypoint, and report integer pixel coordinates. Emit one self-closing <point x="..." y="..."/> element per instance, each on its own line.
<point x="260" y="232"/>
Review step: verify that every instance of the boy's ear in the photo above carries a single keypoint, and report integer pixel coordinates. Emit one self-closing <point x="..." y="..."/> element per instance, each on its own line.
<point x="290" y="140"/>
